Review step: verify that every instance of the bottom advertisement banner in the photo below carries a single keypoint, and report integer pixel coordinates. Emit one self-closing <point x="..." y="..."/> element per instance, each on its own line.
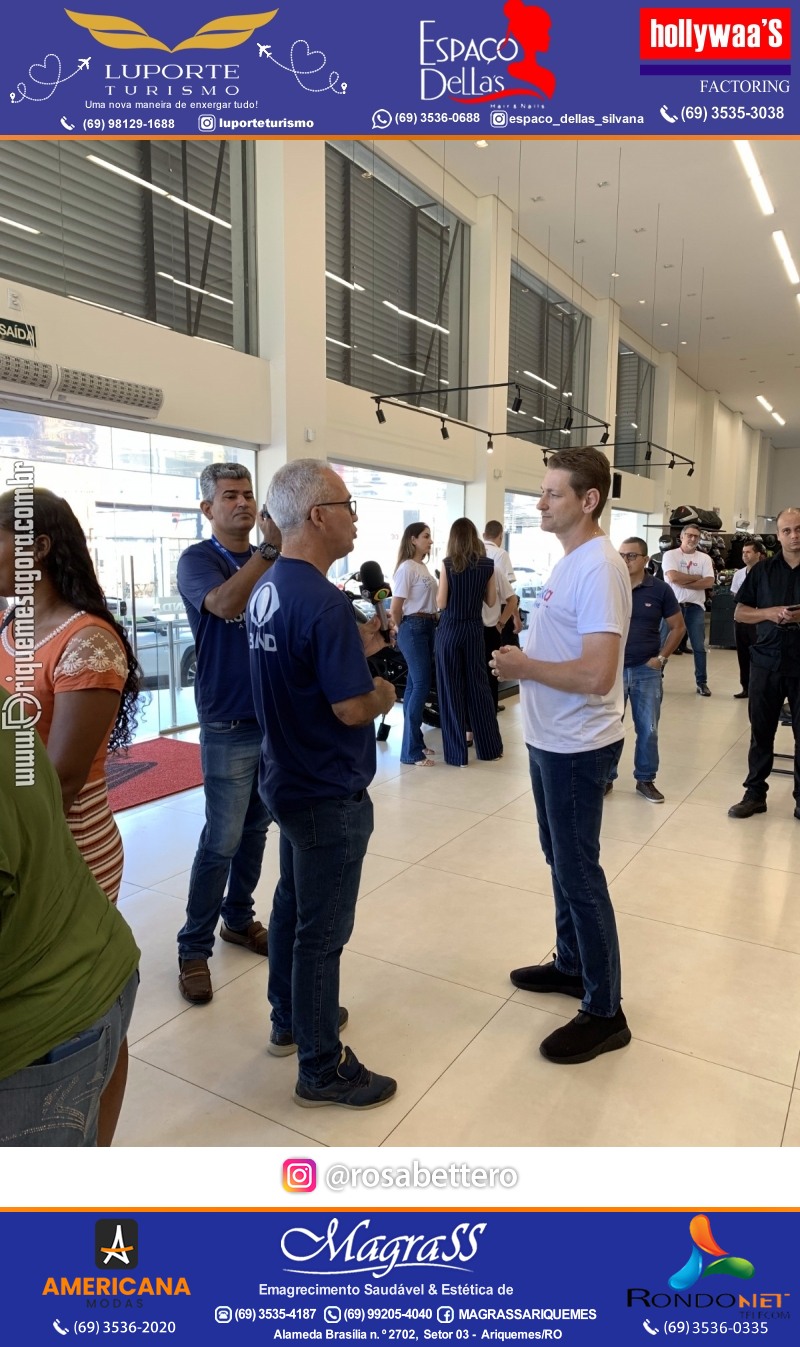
<point x="379" y="1276"/>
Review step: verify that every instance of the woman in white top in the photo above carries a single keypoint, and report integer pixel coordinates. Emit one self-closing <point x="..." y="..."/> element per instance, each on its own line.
<point x="414" y="614"/>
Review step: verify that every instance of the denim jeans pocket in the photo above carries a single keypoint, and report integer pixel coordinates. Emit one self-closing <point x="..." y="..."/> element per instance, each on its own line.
<point x="299" y="826"/>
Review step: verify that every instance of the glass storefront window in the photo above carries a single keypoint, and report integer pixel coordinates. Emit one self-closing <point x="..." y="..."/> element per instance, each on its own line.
<point x="533" y="552"/>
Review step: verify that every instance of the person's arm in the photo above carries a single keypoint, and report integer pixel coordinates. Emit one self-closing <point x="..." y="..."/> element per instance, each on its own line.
<point x="677" y="627"/>
<point x="229" y="599"/>
<point x="593" y="672"/>
<point x="396" y="609"/>
<point x="443" y="590"/>
<point x="80" y="724"/>
<point x="510" y="609"/>
<point x="361" y="710"/>
<point x="490" y="593"/>
<point x="750" y="616"/>
<point x="689" y="581"/>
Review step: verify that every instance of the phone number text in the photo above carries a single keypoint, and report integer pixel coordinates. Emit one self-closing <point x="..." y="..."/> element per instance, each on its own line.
<point x="129" y="124"/>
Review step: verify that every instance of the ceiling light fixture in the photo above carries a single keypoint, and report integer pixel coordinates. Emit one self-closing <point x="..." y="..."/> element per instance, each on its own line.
<point x="406" y="368"/>
<point x="445" y="432"/>
<point x="15" y="224"/>
<point x="482" y="144"/>
<point x="615" y="275"/>
<point x="786" y="256"/>
<point x="490" y="445"/>
<point x="185" y="285"/>
<point x="350" y="285"/>
<point x="690" y="473"/>
<point x="751" y="168"/>
<point x="415" y="319"/>
<point x="665" y="324"/>
<point x="568" y="421"/>
<point x="381" y="415"/>
<point x="766" y="405"/>
<point x="604" y="436"/>
<point x="538" y="378"/>
<point x="779" y="419"/>
<point x="648" y="454"/>
<point x="196" y="210"/>
<point x="671" y="463"/>
<point x="123" y="173"/>
<point x="517" y="403"/>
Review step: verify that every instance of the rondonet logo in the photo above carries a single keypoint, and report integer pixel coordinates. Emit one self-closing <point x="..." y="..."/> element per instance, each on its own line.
<point x="480" y="69"/>
<point x="112" y="31"/>
<point x="359" y="1251"/>
<point x="720" y="34"/>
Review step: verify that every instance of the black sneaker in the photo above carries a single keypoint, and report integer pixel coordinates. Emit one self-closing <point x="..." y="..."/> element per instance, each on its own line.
<point x="703" y="690"/>
<point x="283" y="1045"/>
<point x="545" y="977"/>
<point x="353" y="1086"/>
<point x="647" y="789"/>
<point x="740" y="696"/>
<point x="747" y="807"/>
<point x="586" y="1037"/>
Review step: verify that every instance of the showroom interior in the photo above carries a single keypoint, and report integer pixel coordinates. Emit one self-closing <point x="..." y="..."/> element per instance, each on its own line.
<point x="180" y="303"/>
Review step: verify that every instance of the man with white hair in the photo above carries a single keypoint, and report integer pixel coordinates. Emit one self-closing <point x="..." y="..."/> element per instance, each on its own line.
<point x="316" y="702"/>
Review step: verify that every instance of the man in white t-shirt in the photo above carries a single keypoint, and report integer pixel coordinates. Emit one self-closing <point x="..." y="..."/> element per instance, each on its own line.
<point x="570" y="676"/>
<point x="691" y="574"/>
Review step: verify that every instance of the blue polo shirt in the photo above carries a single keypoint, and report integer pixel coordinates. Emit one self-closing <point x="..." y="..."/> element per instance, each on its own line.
<point x="306" y="655"/>
<point x="652" y="600"/>
<point x="222" y="688"/>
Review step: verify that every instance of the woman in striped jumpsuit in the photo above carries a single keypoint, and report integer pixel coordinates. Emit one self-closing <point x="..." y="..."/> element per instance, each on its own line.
<point x="467" y="581"/>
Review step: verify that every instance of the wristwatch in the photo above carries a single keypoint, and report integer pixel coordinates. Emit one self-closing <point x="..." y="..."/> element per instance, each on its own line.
<point x="662" y="659"/>
<point x="268" y="551"/>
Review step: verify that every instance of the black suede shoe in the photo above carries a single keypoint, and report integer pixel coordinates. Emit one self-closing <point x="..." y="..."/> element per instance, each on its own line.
<point x="740" y="696"/>
<point x="586" y="1037"/>
<point x="703" y="690"/>
<point x="545" y="977"/>
<point x="747" y="807"/>
<point x="353" y="1086"/>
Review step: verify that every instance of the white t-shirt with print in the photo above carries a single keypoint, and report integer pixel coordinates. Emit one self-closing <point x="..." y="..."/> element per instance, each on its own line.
<point x="689" y="563"/>
<point x="413" y="582"/>
<point x="588" y="592"/>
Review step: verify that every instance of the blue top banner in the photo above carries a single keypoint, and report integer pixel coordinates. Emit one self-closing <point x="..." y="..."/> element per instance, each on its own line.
<point x="451" y="68"/>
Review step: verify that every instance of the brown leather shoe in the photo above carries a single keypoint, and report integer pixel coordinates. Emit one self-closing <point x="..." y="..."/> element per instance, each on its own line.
<point x="253" y="937"/>
<point x="195" y="981"/>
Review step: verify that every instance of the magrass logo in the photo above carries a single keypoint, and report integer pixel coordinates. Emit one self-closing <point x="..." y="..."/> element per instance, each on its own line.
<point x="112" y="31"/>
<point x="694" y="1268"/>
<point x="116" y="1243"/>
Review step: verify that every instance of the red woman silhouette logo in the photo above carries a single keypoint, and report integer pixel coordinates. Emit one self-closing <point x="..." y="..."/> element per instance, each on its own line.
<point x="529" y="26"/>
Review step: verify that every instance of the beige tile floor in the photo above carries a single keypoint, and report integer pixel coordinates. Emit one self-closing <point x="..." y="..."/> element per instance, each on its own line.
<point x="455" y="892"/>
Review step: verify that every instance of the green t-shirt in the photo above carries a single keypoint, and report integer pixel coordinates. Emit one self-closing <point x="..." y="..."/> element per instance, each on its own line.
<point x="65" y="952"/>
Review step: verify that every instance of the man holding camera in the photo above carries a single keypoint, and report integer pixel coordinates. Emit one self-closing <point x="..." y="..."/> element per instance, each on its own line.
<point x="215" y="579"/>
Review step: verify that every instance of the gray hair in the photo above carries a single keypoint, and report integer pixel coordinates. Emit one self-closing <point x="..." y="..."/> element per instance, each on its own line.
<point x="215" y="472"/>
<point x="295" y="489"/>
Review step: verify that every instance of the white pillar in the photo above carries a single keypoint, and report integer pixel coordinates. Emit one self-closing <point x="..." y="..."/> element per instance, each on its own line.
<point x="490" y="298"/>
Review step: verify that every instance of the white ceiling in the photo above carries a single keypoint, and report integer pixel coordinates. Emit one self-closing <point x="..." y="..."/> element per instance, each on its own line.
<point x="680" y="221"/>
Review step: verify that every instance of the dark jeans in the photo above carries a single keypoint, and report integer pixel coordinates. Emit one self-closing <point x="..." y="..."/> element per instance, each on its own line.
<point x="415" y="637"/>
<point x="231" y="845"/>
<point x="746" y="634"/>
<point x="644" y="689"/>
<point x="694" y="615"/>
<point x="768" y="691"/>
<point x="322" y="851"/>
<point x="568" y="790"/>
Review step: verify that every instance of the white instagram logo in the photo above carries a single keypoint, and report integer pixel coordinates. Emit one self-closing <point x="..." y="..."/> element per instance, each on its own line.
<point x="206" y="122"/>
<point x="498" y="117"/>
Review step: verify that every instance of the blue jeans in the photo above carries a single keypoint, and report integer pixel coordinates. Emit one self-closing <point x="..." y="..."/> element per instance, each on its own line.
<point x="231" y="844"/>
<point x="694" y="615"/>
<point x="322" y="851"/>
<point x="568" y="790"/>
<point x="56" y="1100"/>
<point x="415" y="637"/>
<point x="644" y="688"/>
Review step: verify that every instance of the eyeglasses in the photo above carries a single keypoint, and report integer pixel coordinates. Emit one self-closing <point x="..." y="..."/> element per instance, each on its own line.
<point x="350" y="503"/>
<point x="631" y="556"/>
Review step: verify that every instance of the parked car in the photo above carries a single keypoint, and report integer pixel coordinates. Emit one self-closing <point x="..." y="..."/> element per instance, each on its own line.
<point x="152" y="644"/>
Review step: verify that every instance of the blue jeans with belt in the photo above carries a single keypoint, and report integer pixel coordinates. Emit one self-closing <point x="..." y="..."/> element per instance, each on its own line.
<point x="231" y="845"/>
<point x="694" y="615"/>
<point x="323" y="846"/>
<point x="415" y="637"/>
<point x="568" y="790"/>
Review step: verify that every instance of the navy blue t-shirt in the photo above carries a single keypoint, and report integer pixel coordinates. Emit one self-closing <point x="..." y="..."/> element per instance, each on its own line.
<point x="222" y="686"/>
<point x="652" y="600"/>
<point x="305" y="655"/>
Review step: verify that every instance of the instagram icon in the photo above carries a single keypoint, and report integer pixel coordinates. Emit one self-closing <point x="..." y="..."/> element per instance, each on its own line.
<point x="299" y="1176"/>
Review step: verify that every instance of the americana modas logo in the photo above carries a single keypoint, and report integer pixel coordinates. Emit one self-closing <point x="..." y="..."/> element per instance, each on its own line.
<point x="113" y="31"/>
<point x="696" y="1266"/>
<point x="116" y="1244"/>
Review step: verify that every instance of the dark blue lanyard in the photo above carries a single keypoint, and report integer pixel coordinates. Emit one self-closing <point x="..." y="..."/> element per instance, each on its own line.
<point x="237" y="565"/>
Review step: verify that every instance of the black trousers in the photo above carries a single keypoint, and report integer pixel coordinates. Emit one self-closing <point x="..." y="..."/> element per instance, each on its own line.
<point x="492" y="640"/>
<point x="746" y="634"/>
<point x="768" y="691"/>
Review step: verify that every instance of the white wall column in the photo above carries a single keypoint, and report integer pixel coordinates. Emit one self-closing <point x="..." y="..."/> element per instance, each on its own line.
<point x="490" y="299"/>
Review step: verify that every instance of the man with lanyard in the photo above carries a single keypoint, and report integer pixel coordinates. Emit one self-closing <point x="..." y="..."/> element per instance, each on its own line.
<point x="645" y="661"/>
<point x="691" y="573"/>
<point x="570" y="677"/>
<point x="746" y="634"/>
<point x="215" y="580"/>
<point x="770" y="599"/>
<point x="316" y="702"/>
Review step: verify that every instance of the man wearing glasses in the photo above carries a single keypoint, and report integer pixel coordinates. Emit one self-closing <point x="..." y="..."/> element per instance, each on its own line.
<point x="691" y="574"/>
<point x="315" y="702"/>
<point x="645" y="661"/>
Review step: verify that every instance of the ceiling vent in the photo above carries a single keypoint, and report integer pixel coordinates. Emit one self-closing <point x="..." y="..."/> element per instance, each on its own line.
<point x="22" y="378"/>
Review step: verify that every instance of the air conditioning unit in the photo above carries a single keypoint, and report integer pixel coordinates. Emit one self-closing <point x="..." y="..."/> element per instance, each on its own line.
<point x="21" y="378"/>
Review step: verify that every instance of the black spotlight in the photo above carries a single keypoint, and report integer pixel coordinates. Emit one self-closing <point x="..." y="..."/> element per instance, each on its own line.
<point x="604" y="436"/>
<point x="381" y="415"/>
<point x="490" y="445"/>
<point x="517" y="403"/>
<point x="568" y="421"/>
<point x="648" y="454"/>
<point x="544" y="459"/>
<point x="445" y="431"/>
<point x="671" y="463"/>
<point x="690" y="473"/>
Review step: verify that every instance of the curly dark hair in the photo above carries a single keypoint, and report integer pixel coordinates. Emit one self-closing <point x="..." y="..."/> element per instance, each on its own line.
<point x="69" y="567"/>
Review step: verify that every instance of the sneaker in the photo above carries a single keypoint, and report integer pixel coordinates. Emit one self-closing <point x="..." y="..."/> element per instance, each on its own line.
<point x="253" y="937"/>
<point x="747" y="807"/>
<point x="740" y="696"/>
<point x="586" y="1037"/>
<point x="283" y="1045"/>
<point x="194" y="981"/>
<point x="647" y="789"/>
<point x="353" y="1086"/>
<point x="703" y="690"/>
<point x="545" y="977"/>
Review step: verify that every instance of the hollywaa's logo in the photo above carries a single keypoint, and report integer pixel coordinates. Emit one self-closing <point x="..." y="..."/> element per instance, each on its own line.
<point x="462" y="66"/>
<point x="112" y="31"/>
